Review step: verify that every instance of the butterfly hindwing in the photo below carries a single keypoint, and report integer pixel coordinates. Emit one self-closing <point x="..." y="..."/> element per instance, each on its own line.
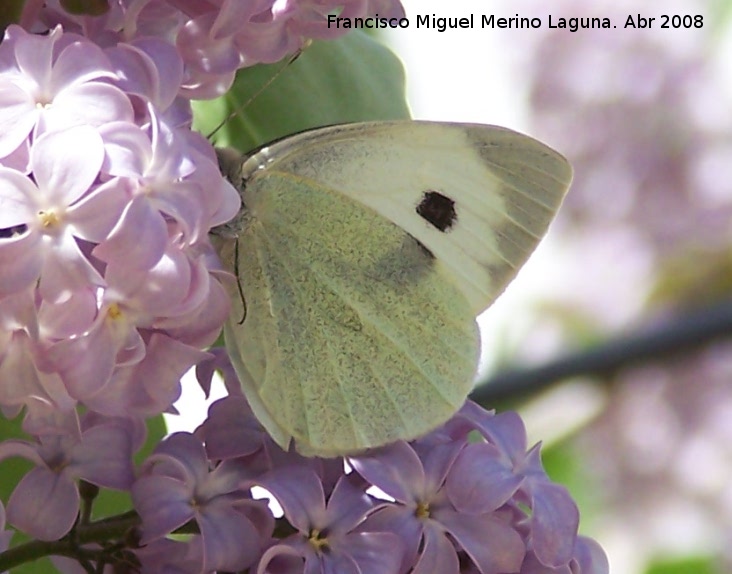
<point x="345" y="345"/>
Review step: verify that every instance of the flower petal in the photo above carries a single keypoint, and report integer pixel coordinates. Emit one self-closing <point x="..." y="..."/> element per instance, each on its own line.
<point x="66" y="163"/>
<point x="150" y="386"/>
<point x="188" y="453"/>
<point x="139" y="238"/>
<point x="66" y="269"/>
<point x="104" y="456"/>
<point x="20" y="261"/>
<point x="18" y="115"/>
<point x="93" y="104"/>
<point x="590" y="556"/>
<point x="230" y="430"/>
<point x="78" y="63"/>
<point x="282" y="559"/>
<point x="33" y="54"/>
<point x="44" y="504"/>
<point x="376" y="553"/>
<point x="554" y="523"/>
<point x="506" y="430"/>
<point x="300" y="493"/>
<point x="395" y="469"/>
<point x="163" y="503"/>
<point x="478" y="481"/>
<point x="438" y="555"/>
<point x="84" y="363"/>
<point x="333" y="563"/>
<point x="70" y="318"/>
<point x="18" y="201"/>
<point x="437" y="460"/>
<point x="128" y="149"/>
<point x="230" y="541"/>
<point x="401" y="521"/>
<point x="94" y="216"/>
<point x="347" y="507"/>
<point x="491" y="543"/>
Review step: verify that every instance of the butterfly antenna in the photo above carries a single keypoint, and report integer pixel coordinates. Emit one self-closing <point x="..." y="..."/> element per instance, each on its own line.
<point x="256" y="94"/>
<point x="238" y="282"/>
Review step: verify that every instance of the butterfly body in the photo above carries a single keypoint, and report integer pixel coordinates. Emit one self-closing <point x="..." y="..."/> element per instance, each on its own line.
<point x="364" y="253"/>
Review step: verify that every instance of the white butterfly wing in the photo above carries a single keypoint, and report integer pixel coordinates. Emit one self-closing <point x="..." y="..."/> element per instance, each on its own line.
<point x="506" y="188"/>
<point x="366" y="251"/>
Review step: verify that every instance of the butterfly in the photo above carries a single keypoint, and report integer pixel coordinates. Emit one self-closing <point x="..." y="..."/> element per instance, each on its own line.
<point x="363" y="254"/>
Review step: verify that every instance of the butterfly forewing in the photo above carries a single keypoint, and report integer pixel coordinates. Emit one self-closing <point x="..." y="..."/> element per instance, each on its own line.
<point x="506" y="188"/>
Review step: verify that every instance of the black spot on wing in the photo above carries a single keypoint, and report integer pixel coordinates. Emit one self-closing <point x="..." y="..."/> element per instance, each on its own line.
<point x="437" y="209"/>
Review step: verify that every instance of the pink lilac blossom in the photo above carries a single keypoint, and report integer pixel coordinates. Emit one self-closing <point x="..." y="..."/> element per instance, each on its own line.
<point x="50" y="83"/>
<point x="554" y="517"/>
<point x="116" y="292"/>
<point x="109" y="195"/>
<point x="214" y="37"/>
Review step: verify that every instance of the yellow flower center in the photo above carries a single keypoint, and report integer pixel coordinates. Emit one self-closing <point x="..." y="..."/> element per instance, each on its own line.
<point x="422" y="511"/>
<point x="114" y="312"/>
<point x="317" y="541"/>
<point x="48" y="219"/>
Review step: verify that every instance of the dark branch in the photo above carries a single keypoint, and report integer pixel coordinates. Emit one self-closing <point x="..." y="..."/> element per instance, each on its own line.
<point x="673" y="337"/>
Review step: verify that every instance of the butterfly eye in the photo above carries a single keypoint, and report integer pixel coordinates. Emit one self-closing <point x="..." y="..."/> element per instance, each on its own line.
<point x="437" y="209"/>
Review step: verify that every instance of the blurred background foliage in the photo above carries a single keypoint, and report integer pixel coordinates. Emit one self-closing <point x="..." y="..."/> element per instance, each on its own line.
<point x="643" y="238"/>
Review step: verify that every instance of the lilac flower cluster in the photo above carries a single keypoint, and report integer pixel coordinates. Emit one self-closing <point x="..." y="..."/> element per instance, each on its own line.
<point x="110" y="291"/>
<point x="107" y="278"/>
<point x="108" y="283"/>
<point x="457" y="505"/>
<point x="213" y="38"/>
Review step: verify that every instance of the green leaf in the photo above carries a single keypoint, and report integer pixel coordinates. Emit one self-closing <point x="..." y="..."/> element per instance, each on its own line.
<point x="12" y="469"/>
<point x="10" y="11"/>
<point x="85" y="7"/>
<point x="686" y="565"/>
<point x="354" y="78"/>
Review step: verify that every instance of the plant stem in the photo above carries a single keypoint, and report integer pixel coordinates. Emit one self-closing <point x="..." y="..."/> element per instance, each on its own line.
<point x="100" y="531"/>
